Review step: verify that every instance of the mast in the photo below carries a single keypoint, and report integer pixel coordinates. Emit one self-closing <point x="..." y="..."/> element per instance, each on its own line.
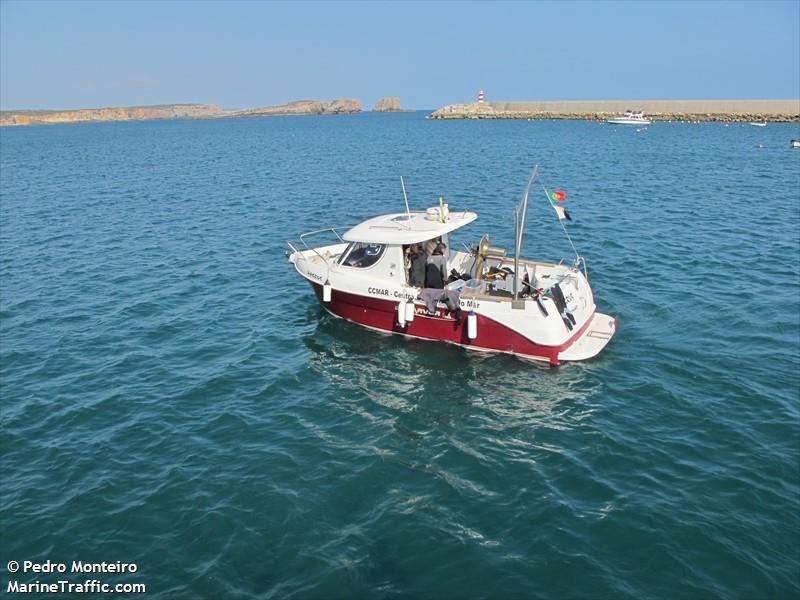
<point x="516" y="252"/>
<point x="519" y="227"/>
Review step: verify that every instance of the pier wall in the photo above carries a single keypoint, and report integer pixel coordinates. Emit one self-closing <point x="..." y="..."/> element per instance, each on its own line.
<point x="680" y="110"/>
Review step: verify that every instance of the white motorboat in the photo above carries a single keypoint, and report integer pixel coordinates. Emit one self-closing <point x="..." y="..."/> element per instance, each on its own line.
<point x="631" y="117"/>
<point x="499" y="302"/>
<point x="794" y="144"/>
<point x="759" y="123"/>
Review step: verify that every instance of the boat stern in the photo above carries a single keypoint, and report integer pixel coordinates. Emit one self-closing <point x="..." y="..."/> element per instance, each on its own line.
<point x="593" y="339"/>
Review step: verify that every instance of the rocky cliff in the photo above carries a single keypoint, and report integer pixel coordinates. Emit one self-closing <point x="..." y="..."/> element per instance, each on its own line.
<point x="175" y="111"/>
<point x="387" y="105"/>
<point x="134" y="113"/>
<point x="302" y="107"/>
<point x="659" y="110"/>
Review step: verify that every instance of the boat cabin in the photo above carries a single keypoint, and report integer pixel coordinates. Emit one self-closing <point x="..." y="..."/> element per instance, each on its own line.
<point x="380" y="247"/>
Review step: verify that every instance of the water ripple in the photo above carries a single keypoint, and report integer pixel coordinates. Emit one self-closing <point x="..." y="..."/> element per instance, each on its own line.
<point x="174" y="396"/>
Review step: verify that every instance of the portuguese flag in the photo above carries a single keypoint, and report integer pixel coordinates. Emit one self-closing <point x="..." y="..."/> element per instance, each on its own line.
<point x="555" y="198"/>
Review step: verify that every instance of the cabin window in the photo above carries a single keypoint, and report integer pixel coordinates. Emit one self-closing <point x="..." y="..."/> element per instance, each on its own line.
<point x="362" y="255"/>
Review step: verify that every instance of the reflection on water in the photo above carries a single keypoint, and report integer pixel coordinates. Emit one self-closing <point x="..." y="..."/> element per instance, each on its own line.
<point x="439" y="382"/>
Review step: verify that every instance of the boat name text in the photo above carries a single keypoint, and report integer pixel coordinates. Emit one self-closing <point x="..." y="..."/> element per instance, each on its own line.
<point x="406" y="296"/>
<point x="439" y="313"/>
<point x="394" y="294"/>
<point x="470" y="304"/>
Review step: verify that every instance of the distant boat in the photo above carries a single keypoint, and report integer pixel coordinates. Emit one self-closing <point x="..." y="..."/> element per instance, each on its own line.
<point x="794" y="144"/>
<point x="759" y="123"/>
<point x="631" y="117"/>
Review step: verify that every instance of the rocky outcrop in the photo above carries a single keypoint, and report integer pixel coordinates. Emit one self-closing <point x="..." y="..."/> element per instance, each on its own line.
<point x="134" y="113"/>
<point x="387" y="105"/>
<point x="302" y="107"/>
<point x="475" y="110"/>
<point x="659" y="110"/>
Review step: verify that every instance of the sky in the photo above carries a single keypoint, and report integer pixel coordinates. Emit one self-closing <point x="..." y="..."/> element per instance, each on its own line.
<point x="66" y="55"/>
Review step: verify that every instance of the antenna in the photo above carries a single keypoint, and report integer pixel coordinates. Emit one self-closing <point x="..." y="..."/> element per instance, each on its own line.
<point x="403" y="185"/>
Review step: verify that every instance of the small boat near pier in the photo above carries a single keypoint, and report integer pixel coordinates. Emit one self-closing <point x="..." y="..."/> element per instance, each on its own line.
<point x="631" y="117"/>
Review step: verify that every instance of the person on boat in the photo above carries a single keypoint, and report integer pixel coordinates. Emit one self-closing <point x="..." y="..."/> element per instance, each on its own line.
<point x="416" y="271"/>
<point x="436" y="268"/>
<point x="433" y="277"/>
<point x="356" y="257"/>
<point x="438" y="257"/>
<point x="430" y="245"/>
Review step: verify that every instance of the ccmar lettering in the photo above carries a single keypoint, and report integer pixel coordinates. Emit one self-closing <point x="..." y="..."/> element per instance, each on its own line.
<point x="377" y="291"/>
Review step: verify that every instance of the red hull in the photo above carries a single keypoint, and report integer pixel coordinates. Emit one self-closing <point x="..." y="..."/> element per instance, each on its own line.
<point x="442" y="326"/>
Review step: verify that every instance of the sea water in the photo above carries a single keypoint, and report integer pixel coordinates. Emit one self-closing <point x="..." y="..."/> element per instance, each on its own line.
<point x="173" y="396"/>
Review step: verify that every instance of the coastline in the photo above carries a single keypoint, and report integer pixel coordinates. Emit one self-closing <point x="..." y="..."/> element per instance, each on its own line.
<point x="729" y="111"/>
<point x="174" y="111"/>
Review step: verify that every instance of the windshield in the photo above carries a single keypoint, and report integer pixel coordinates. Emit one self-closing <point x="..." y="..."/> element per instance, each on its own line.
<point x="362" y="255"/>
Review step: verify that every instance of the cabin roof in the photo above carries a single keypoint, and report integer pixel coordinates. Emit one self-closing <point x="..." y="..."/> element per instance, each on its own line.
<point x="406" y="228"/>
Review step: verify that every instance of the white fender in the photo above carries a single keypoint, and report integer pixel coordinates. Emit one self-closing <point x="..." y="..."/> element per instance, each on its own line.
<point x="401" y="313"/>
<point x="410" y="310"/>
<point x="326" y="292"/>
<point x="472" y="325"/>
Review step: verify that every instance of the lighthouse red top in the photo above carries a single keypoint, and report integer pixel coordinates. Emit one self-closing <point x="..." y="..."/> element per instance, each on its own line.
<point x="480" y="96"/>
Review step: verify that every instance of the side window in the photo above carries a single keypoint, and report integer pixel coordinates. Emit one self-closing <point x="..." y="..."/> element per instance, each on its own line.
<point x="362" y="255"/>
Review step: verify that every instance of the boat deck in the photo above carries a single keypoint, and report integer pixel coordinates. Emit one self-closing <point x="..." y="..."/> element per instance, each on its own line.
<point x="597" y="335"/>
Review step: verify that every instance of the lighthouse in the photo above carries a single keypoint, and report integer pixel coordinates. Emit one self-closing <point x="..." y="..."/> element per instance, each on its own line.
<point x="480" y="97"/>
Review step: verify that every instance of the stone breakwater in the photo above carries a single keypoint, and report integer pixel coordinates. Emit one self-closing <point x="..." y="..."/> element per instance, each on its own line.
<point x="175" y="111"/>
<point x="657" y="110"/>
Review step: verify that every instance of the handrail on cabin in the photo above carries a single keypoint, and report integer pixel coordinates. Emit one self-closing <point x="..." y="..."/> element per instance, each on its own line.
<point x="316" y="232"/>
